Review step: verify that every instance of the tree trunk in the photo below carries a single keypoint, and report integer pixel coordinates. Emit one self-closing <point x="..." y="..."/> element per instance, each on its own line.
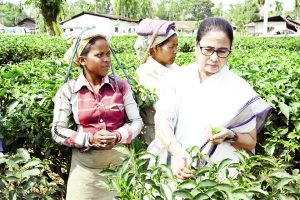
<point x="266" y="12"/>
<point x="49" y="25"/>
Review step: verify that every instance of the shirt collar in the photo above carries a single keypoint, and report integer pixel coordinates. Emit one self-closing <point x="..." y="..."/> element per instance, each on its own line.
<point x="82" y="81"/>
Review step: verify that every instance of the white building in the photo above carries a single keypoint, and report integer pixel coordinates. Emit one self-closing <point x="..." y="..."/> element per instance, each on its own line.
<point x="275" y="23"/>
<point x="114" y="25"/>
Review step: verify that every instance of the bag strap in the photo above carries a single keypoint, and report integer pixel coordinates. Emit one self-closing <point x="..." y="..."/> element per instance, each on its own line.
<point x="153" y="37"/>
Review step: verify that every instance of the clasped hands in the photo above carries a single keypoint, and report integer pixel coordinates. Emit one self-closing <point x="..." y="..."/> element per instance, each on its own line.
<point x="103" y="140"/>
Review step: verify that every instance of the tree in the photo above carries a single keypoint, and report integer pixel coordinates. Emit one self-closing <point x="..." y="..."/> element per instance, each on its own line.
<point x="102" y="6"/>
<point x="195" y="9"/>
<point x="162" y="11"/>
<point x="297" y="8"/>
<point x="71" y="9"/>
<point x="278" y="7"/>
<point x="10" y="14"/>
<point x="236" y="15"/>
<point x="200" y="9"/>
<point x="169" y="10"/>
<point x="135" y="9"/>
<point x="295" y="13"/>
<point x="217" y="11"/>
<point x="49" y="9"/>
<point x="241" y="14"/>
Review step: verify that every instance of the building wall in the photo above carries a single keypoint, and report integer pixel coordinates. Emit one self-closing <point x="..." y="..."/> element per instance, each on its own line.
<point x="110" y="26"/>
<point x="123" y="27"/>
<point x="271" y="26"/>
<point x="85" y="21"/>
<point x="250" y="29"/>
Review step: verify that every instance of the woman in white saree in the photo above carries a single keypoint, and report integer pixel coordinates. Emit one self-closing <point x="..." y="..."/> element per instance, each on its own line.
<point x="203" y="95"/>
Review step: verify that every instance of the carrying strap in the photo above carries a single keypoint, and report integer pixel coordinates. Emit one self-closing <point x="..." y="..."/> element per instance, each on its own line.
<point x="112" y="68"/>
<point x="74" y="53"/>
<point x="153" y="37"/>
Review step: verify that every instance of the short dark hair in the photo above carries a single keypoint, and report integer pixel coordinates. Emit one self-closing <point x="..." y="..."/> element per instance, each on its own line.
<point x="215" y="24"/>
<point x="89" y="45"/>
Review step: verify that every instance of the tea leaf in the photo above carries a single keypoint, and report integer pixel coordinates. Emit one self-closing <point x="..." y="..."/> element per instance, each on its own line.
<point x="282" y="182"/>
<point x="188" y="184"/>
<point x="122" y="149"/>
<point x="182" y="194"/>
<point x="166" y="191"/>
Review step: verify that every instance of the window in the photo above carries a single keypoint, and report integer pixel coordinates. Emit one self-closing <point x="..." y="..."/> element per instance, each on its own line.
<point x="270" y="28"/>
<point x="116" y="29"/>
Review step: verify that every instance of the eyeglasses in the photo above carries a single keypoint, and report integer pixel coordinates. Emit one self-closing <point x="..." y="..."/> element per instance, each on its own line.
<point x="221" y="53"/>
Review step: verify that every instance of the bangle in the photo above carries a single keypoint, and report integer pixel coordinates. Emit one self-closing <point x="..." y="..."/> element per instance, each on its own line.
<point x="92" y="139"/>
<point x="118" y="136"/>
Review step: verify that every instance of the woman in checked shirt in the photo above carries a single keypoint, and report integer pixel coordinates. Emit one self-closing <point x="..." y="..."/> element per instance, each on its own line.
<point x="98" y="104"/>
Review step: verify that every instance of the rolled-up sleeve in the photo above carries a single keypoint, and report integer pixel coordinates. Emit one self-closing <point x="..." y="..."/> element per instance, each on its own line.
<point x="61" y="133"/>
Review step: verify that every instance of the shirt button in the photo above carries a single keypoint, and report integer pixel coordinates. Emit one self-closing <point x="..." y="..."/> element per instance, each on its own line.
<point x="101" y="120"/>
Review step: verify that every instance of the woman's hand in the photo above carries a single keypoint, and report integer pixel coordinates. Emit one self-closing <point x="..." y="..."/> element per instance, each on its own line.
<point x="104" y="140"/>
<point x="180" y="166"/>
<point x="221" y="136"/>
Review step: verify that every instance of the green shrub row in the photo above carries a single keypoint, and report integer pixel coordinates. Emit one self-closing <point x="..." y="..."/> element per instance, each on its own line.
<point x="16" y="48"/>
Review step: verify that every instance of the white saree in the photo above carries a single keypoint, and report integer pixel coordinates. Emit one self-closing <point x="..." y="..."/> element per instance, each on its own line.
<point x="189" y="107"/>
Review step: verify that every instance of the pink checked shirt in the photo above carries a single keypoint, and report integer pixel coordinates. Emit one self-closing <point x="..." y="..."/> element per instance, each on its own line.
<point x="107" y="109"/>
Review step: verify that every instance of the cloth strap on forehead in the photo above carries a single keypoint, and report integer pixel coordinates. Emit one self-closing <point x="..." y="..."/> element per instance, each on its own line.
<point x="154" y="35"/>
<point x="153" y="32"/>
<point x="149" y="26"/>
<point x="78" y="44"/>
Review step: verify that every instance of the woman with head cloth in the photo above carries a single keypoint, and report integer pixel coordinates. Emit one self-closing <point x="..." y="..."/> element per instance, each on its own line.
<point x="160" y="41"/>
<point x="205" y="95"/>
<point x="98" y="104"/>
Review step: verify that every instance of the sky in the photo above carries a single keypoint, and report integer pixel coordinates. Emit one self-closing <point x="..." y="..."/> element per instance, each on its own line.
<point x="287" y="4"/>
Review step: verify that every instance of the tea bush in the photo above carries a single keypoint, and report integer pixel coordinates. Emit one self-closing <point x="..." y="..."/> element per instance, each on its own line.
<point x="258" y="177"/>
<point x="22" y="177"/>
<point x="271" y="66"/>
<point x="18" y="48"/>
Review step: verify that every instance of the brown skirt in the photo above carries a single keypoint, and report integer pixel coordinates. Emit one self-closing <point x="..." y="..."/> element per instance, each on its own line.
<point x="83" y="182"/>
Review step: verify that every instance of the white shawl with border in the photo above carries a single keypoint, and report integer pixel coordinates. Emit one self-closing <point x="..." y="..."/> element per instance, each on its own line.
<point x="189" y="107"/>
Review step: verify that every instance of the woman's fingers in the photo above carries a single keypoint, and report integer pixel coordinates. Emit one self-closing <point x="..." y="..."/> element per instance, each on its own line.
<point x="179" y="176"/>
<point x="180" y="167"/>
<point x="106" y="140"/>
<point x="184" y="173"/>
<point x="220" y="137"/>
<point x="103" y="146"/>
<point x="105" y="137"/>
